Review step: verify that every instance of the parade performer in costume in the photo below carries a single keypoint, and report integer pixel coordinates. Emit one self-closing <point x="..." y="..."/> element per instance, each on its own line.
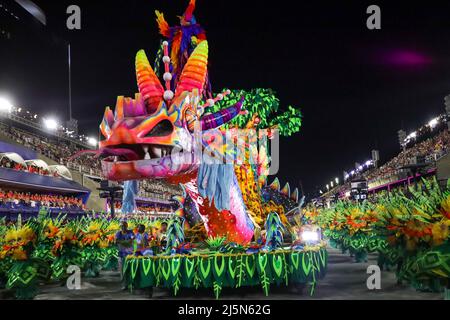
<point x="124" y="240"/>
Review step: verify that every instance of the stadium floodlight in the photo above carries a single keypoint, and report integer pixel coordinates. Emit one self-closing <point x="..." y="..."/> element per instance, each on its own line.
<point x="92" y="141"/>
<point x="5" y="105"/>
<point x="412" y="135"/>
<point x="331" y="183"/>
<point x="328" y="187"/>
<point x="353" y="172"/>
<point x="50" y="123"/>
<point x="337" y="180"/>
<point x="310" y="236"/>
<point x="368" y="162"/>
<point x="433" y="123"/>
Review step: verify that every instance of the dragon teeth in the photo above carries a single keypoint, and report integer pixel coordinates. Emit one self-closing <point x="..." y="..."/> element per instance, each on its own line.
<point x="156" y="151"/>
<point x="147" y="155"/>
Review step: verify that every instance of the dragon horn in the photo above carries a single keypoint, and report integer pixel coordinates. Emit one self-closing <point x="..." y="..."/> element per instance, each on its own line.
<point x="149" y="85"/>
<point x="218" y="118"/>
<point x="107" y="122"/>
<point x="194" y="72"/>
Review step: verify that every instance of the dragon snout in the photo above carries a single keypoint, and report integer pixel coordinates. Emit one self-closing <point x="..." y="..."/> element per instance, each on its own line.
<point x="121" y="135"/>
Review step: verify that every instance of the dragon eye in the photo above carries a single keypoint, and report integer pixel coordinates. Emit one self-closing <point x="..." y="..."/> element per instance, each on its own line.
<point x="163" y="128"/>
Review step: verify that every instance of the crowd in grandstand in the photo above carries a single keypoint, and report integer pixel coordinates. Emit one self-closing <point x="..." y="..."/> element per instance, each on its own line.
<point x="160" y="186"/>
<point x="154" y="209"/>
<point x="431" y="149"/>
<point x="57" y="150"/>
<point x="149" y="208"/>
<point x="18" y="199"/>
<point x="8" y="163"/>
<point x="11" y="164"/>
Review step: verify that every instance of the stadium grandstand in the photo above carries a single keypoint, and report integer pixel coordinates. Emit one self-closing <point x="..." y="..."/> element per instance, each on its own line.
<point x="36" y="171"/>
<point x="424" y="153"/>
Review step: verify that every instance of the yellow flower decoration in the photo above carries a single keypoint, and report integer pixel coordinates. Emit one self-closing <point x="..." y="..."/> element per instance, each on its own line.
<point x="440" y="232"/>
<point x="94" y="226"/>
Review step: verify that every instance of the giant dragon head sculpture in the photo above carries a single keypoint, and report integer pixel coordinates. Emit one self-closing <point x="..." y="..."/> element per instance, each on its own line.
<point x="152" y="135"/>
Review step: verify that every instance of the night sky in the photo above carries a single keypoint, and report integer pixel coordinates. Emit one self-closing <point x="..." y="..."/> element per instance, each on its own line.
<point x="356" y="87"/>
